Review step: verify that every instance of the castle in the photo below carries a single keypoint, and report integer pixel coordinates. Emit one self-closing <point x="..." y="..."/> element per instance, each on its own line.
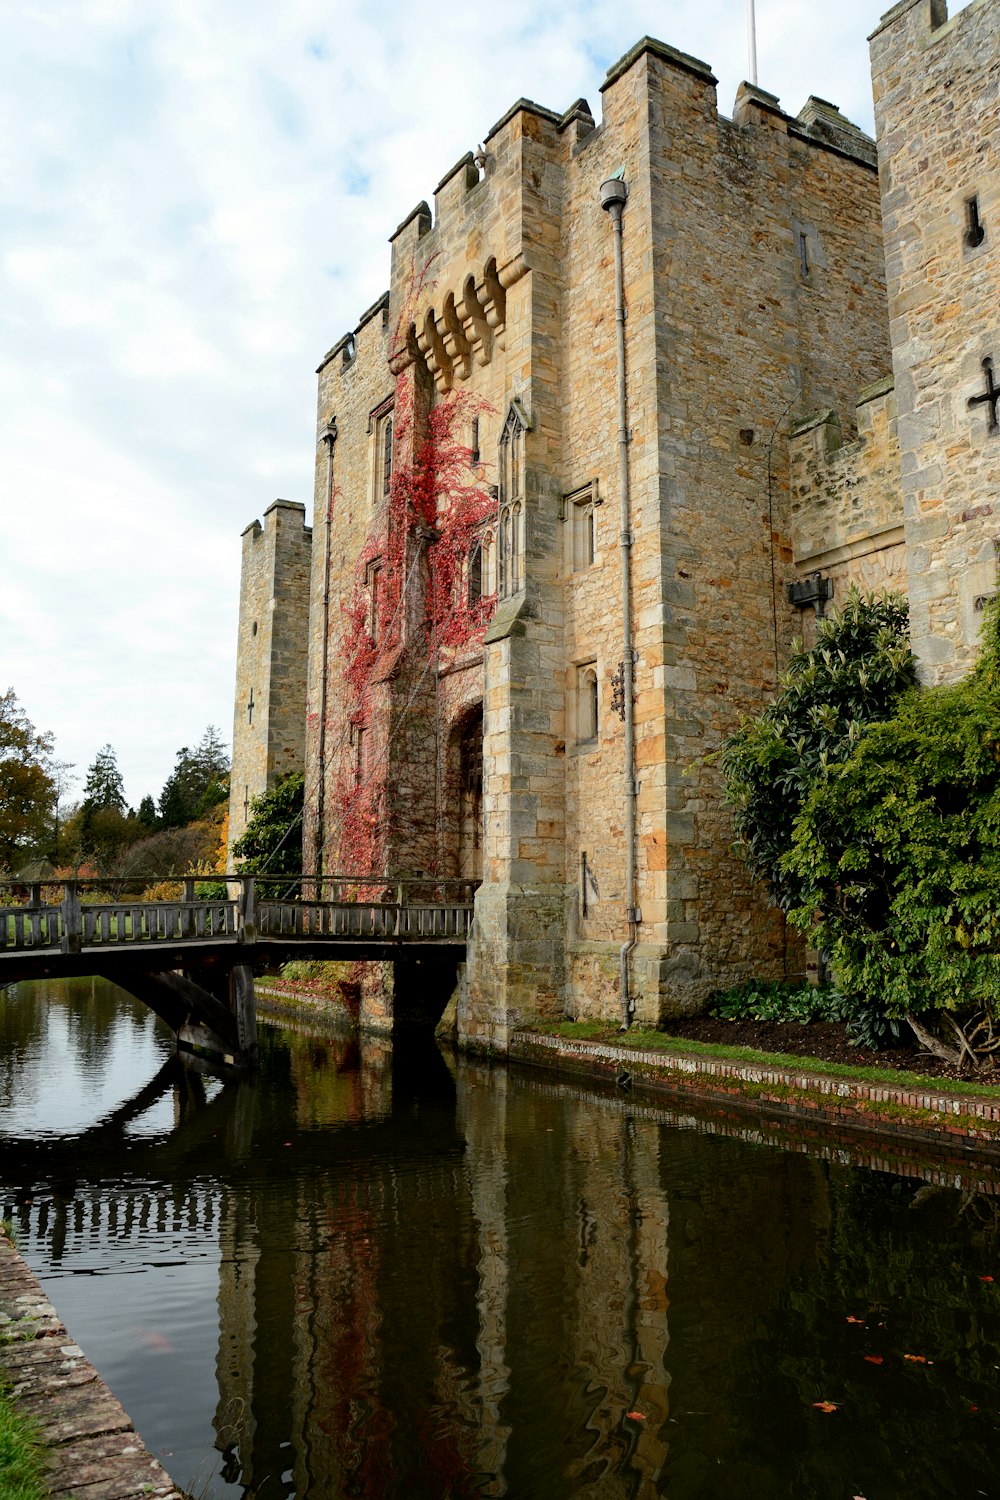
<point x="642" y="395"/>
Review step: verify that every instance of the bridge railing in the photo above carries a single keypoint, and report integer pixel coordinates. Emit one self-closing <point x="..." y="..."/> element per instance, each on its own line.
<point x="68" y="915"/>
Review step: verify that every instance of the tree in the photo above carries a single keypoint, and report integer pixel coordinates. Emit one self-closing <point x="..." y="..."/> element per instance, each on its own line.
<point x="272" y="840"/>
<point x="857" y="672"/>
<point x="104" y="787"/>
<point x="147" y="813"/>
<point x="27" y="784"/>
<point x="198" y="782"/>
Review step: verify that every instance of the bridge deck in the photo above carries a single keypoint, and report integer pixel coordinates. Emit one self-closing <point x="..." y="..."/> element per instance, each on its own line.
<point x="74" y="921"/>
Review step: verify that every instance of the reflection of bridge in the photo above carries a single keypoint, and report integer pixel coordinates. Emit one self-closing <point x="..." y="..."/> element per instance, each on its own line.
<point x="191" y="958"/>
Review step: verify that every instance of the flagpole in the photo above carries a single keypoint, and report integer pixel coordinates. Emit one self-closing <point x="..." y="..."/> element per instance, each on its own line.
<point x="752" y="42"/>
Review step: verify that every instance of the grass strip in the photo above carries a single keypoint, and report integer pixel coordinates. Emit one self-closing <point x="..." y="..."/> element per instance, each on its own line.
<point x="647" y="1041"/>
<point x="20" y="1457"/>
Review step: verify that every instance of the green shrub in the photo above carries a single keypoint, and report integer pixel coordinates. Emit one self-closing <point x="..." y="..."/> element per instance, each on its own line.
<point x="763" y="1000"/>
<point x="856" y="674"/>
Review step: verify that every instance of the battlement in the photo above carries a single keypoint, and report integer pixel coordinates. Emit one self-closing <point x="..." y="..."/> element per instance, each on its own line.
<point x="496" y="212"/>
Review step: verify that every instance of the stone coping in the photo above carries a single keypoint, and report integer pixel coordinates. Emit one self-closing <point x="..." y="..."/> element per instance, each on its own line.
<point x="91" y="1450"/>
<point x="967" y="1121"/>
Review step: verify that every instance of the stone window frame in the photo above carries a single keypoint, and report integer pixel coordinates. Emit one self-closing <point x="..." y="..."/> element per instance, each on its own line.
<point x="510" y="532"/>
<point x="359" y="753"/>
<point x="381" y="431"/>
<point x="373" y="572"/>
<point x="579" y="510"/>
<point x="586" y="706"/>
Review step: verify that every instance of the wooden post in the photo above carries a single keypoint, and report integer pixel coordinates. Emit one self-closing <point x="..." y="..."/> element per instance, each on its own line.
<point x="246" y="911"/>
<point x="187" y="918"/>
<point x="243" y="1004"/>
<point x="71" y="918"/>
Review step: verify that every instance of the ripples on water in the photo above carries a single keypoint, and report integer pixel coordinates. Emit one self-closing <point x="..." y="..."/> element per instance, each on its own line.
<point x="377" y="1274"/>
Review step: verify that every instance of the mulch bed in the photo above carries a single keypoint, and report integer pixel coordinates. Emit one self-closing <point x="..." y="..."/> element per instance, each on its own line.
<point x="823" y="1039"/>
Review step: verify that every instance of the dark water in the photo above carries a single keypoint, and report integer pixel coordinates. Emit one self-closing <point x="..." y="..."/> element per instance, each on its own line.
<point x="375" y="1275"/>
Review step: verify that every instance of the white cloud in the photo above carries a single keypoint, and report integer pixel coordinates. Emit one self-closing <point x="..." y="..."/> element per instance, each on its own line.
<point x="194" y="204"/>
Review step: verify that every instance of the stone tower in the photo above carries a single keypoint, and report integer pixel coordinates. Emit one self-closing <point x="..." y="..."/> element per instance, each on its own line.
<point x="269" y="715"/>
<point x="937" y="113"/>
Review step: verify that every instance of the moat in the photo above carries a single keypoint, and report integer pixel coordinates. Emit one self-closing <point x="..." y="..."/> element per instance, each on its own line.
<point x="378" y="1273"/>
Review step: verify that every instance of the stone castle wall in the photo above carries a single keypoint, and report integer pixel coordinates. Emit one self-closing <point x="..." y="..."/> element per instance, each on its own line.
<point x="269" y="741"/>
<point x="937" y="112"/>
<point x="846" y="505"/>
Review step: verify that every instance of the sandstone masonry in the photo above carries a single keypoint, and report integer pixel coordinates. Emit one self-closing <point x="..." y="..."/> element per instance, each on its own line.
<point x="269" y="716"/>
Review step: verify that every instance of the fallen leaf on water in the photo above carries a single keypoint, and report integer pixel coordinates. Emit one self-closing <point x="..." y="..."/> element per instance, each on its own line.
<point x="825" y="1405"/>
<point x="852" y="1319"/>
<point x="874" y="1359"/>
<point x="636" y="1416"/>
<point x="918" y="1359"/>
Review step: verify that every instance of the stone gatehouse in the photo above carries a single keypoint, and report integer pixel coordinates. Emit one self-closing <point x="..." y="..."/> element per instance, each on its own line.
<point x="558" y="509"/>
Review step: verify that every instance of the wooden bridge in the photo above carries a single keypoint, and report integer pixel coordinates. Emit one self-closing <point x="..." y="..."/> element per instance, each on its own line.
<point x="191" y="957"/>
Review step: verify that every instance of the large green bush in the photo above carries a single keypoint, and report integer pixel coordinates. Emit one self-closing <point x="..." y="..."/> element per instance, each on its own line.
<point x="896" y="852"/>
<point x="856" y="674"/>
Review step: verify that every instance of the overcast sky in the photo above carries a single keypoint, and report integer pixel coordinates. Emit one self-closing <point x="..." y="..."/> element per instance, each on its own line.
<point x="195" y="199"/>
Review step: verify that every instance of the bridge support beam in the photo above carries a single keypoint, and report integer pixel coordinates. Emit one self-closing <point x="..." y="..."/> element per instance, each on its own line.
<point x="224" y="1031"/>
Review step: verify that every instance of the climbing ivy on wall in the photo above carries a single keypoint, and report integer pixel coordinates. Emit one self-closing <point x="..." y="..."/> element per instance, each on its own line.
<point x="423" y="537"/>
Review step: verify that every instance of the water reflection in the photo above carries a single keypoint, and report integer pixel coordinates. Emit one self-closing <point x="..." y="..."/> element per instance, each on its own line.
<point x="372" y="1273"/>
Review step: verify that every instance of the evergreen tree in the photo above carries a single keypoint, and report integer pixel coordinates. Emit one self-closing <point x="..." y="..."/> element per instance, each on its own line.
<point x="104" y="787"/>
<point x="198" y="782"/>
<point x="147" y="812"/>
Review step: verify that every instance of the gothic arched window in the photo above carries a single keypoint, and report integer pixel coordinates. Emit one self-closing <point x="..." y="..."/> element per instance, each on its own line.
<point x="510" y="530"/>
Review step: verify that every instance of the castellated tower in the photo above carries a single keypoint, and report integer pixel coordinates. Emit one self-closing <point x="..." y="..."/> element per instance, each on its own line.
<point x="467" y="694"/>
<point x="937" y="114"/>
<point x="269" y="715"/>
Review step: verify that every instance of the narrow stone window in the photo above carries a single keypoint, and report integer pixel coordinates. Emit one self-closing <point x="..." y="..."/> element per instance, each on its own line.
<point x="380" y="426"/>
<point x="586" y="703"/>
<point x="582" y="520"/>
<point x="474" y="574"/>
<point x="503" y="555"/>
<point x="372" y="581"/>
<point x="474" y="454"/>
<point x="387" y="454"/>
<point x="510" y="474"/>
<point x="488" y="554"/>
<point x="975" y="231"/>
<point x="516" y="547"/>
<point x="359" y="744"/>
<point x="803" y="253"/>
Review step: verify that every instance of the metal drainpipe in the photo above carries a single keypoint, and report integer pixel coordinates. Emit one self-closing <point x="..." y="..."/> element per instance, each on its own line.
<point x="330" y="439"/>
<point x="614" y="193"/>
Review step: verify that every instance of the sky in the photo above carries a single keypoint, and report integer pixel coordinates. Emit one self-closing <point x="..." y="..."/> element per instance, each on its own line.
<point x="195" y="202"/>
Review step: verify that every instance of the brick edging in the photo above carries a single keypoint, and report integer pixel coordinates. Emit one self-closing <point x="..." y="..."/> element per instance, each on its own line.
<point x="89" y="1443"/>
<point x="968" y="1121"/>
